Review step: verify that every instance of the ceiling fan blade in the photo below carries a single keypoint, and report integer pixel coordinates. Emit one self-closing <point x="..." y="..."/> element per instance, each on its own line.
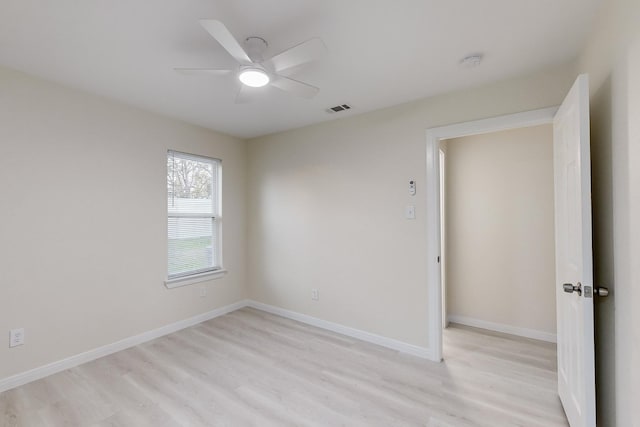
<point x="219" y="32"/>
<point x="202" y="71"/>
<point x="308" y="51"/>
<point x="303" y="90"/>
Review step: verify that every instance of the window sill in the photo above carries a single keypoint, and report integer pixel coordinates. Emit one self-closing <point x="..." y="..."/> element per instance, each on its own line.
<point x="196" y="278"/>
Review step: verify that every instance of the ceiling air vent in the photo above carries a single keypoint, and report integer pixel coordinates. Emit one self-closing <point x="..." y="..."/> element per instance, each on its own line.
<point x="339" y="108"/>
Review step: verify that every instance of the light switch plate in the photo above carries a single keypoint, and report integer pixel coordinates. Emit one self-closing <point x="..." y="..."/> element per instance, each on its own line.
<point x="410" y="212"/>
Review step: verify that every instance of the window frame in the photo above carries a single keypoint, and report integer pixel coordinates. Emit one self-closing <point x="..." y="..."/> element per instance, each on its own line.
<point x="217" y="271"/>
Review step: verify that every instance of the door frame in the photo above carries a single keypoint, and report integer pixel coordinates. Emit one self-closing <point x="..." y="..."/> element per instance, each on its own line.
<point x="434" y="136"/>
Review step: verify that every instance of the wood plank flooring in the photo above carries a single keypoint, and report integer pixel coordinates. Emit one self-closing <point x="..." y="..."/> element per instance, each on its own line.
<point x="253" y="368"/>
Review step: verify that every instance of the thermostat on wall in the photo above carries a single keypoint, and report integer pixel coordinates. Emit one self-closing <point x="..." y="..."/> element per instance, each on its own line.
<point x="412" y="188"/>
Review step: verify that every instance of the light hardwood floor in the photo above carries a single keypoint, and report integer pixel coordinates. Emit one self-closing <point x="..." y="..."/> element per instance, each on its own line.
<point x="254" y="368"/>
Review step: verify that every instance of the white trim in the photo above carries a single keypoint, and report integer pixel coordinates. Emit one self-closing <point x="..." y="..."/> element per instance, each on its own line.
<point x="195" y="278"/>
<point x="191" y="156"/>
<point x="192" y="215"/>
<point x="495" y="124"/>
<point x="434" y="289"/>
<point x="96" y="353"/>
<point x="400" y="346"/>
<point x="505" y="329"/>
<point x="434" y="135"/>
<point x="78" y="359"/>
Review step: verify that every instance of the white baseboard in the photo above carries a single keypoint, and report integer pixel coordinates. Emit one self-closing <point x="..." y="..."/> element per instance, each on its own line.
<point x="78" y="359"/>
<point x="507" y="329"/>
<point x="400" y="346"/>
<point x="96" y="353"/>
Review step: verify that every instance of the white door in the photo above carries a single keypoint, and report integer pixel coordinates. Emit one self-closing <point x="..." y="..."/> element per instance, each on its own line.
<point x="574" y="264"/>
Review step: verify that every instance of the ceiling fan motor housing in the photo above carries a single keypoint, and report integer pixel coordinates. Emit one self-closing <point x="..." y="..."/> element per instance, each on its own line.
<point x="256" y="47"/>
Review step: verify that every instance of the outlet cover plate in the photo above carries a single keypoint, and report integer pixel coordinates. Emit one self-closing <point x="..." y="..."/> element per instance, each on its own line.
<point x="16" y="337"/>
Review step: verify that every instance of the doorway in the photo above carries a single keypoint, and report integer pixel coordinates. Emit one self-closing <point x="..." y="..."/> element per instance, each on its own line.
<point x="497" y="228"/>
<point x="435" y="214"/>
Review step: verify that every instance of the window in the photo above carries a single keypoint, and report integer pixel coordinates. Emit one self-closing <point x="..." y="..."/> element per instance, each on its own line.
<point x="193" y="208"/>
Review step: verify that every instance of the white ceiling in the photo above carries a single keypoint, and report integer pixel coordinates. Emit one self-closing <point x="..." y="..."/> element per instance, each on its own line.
<point x="380" y="52"/>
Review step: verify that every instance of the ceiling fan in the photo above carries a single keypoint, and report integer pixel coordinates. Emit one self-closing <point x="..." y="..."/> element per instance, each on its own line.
<point x="253" y="71"/>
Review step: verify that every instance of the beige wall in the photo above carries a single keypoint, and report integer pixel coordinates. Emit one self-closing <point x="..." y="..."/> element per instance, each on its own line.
<point x="83" y="230"/>
<point x="83" y="245"/>
<point x="612" y="58"/>
<point x="500" y="228"/>
<point x="327" y="207"/>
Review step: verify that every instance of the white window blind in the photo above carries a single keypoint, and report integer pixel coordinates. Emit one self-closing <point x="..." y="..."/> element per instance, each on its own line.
<point x="193" y="214"/>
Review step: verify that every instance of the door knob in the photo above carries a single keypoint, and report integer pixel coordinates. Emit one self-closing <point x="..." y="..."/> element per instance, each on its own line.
<point x="571" y="288"/>
<point x="601" y="292"/>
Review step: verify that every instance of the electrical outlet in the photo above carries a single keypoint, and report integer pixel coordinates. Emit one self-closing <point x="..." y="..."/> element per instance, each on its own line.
<point x="203" y="292"/>
<point x="315" y="294"/>
<point x="16" y="337"/>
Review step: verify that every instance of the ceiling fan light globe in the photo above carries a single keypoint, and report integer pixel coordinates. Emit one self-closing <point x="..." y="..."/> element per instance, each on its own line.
<point x="253" y="77"/>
